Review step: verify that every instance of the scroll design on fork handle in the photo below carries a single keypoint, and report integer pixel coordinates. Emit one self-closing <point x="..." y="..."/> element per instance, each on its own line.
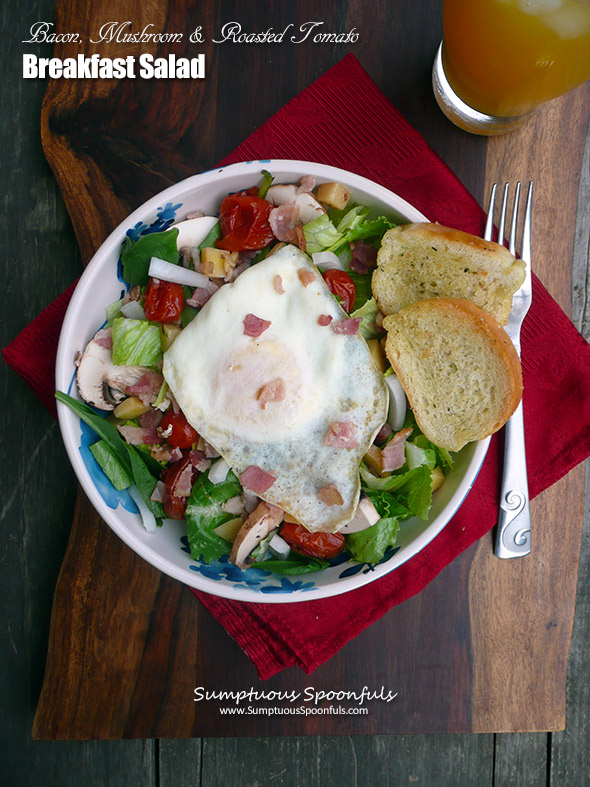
<point x="516" y="536"/>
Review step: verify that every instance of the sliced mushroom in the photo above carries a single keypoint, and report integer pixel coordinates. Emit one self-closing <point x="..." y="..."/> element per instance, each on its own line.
<point x="263" y="520"/>
<point x="100" y="382"/>
<point x="365" y="516"/>
<point x="285" y="193"/>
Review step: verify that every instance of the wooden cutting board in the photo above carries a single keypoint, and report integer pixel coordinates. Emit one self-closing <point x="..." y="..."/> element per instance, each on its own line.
<point x="483" y="647"/>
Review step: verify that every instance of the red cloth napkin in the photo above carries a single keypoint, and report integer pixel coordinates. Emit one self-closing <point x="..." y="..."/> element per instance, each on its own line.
<point x="344" y="120"/>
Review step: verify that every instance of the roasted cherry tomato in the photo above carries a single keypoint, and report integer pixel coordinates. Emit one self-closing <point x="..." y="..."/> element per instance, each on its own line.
<point x="340" y="284"/>
<point x="163" y="301"/>
<point x="324" y="545"/>
<point x="177" y="431"/>
<point x="179" y="477"/>
<point x="244" y="223"/>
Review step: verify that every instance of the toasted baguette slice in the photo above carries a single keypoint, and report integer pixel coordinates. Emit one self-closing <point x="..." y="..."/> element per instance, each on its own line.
<point x="420" y="261"/>
<point x="458" y="367"/>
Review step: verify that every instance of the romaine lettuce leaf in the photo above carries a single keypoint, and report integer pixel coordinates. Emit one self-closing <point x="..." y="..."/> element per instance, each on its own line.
<point x="369" y="545"/>
<point x="135" y="342"/>
<point x="136" y="256"/>
<point x="412" y="488"/>
<point x="204" y="514"/>
<point x="111" y="466"/>
<point x="367" y="313"/>
<point x="362" y="282"/>
<point x="320" y="234"/>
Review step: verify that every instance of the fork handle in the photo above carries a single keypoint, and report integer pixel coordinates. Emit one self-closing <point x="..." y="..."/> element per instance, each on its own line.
<point x="513" y="538"/>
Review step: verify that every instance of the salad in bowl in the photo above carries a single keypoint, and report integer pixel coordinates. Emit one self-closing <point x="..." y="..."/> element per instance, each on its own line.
<point x="225" y="398"/>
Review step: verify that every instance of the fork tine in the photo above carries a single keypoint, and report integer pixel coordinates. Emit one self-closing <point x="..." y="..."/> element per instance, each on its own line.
<point x="526" y="232"/>
<point x="512" y="246"/>
<point x="502" y="224"/>
<point x="490" y="219"/>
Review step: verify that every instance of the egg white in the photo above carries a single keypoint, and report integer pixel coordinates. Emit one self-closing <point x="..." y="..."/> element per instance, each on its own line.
<point x="216" y="373"/>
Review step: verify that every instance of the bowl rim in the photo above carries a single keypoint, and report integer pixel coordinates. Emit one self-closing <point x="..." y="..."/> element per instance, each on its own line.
<point x="68" y="421"/>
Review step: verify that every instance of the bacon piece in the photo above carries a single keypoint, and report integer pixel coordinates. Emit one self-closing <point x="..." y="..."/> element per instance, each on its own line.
<point x="151" y="418"/>
<point x="210" y="452"/>
<point x="306" y="184"/>
<point x="341" y="435"/>
<point x="393" y="455"/>
<point x="325" y="319"/>
<point x="274" y="391"/>
<point x="147" y="387"/>
<point x="283" y="219"/>
<point x="330" y="496"/>
<point x="137" y="435"/>
<point x="306" y="277"/>
<point x="158" y="494"/>
<point x="384" y="433"/>
<point x="104" y="338"/>
<point x="256" y="479"/>
<point x="278" y="284"/>
<point x="199" y="460"/>
<point x="233" y="273"/>
<point x="255" y="326"/>
<point x="183" y="483"/>
<point x="166" y="453"/>
<point x="364" y="257"/>
<point x="347" y="327"/>
<point x="201" y="295"/>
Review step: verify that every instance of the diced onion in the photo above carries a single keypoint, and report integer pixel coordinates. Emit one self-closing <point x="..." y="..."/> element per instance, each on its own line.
<point x="218" y="472"/>
<point x="148" y="519"/>
<point x="133" y="310"/>
<point x="327" y="260"/>
<point x="160" y="269"/>
<point x="279" y="547"/>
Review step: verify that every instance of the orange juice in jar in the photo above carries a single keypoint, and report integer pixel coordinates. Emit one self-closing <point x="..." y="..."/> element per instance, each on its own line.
<point x="500" y="59"/>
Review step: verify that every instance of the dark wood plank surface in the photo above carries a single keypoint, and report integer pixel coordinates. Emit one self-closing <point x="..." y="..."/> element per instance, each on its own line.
<point x="38" y="488"/>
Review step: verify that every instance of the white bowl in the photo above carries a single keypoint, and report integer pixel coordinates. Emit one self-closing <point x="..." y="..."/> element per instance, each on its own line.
<point x="167" y="549"/>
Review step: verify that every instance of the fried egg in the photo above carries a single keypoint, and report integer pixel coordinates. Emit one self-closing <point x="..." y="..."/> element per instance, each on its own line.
<point x="264" y="374"/>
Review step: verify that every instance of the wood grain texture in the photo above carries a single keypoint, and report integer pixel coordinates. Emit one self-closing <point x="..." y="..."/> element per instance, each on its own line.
<point x="523" y="609"/>
<point x="570" y="750"/>
<point x="117" y="623"/>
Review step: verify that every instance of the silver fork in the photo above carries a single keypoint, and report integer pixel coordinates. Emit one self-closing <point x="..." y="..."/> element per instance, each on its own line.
<point x="513" y="537"/>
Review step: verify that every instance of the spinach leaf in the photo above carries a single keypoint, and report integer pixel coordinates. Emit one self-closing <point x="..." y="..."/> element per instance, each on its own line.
<point x="267" y="179"/>
<point x="204" y="514"/>
<point x="211" y="237"/>
<point x="293" y="565"/>
<point x="136" y="256"/>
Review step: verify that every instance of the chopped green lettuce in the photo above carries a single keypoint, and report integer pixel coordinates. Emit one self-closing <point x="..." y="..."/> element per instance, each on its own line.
<point x="136" y="256"/>
<point x="113" y="310"/>
<point x="412" y="487"/>
<point x="369" y="545"/>
<point x="368" y="313"/>
<point x="320" y="234"/>
<point x="135" y="342"/>
<point x="204" y="513"/>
